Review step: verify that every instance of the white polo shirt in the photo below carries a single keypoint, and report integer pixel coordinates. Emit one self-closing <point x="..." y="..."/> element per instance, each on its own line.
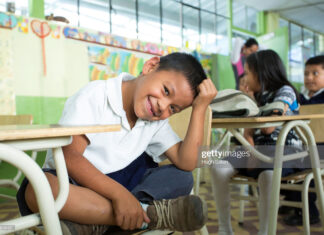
<point x="100" y="102"/>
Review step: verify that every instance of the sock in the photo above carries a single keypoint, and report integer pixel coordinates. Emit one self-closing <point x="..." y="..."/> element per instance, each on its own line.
<point x="264" y="183"/>
<point x="220" y="177"/>
<point x="144" y="206"/>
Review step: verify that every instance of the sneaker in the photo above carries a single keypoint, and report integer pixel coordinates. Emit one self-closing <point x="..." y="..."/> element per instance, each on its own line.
<point x="71" y="228"/>
<point x="183" y="214"/>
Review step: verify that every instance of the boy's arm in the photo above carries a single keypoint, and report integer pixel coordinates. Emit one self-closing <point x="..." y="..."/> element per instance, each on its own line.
<point x="184" y="154"/>
<point x="126" y="206"/>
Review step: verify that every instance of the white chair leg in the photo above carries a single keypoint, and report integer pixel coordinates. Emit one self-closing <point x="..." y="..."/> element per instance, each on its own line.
<point x="197" y="183"/>
<point x="305" y="211"/>
<point x="242" y="202"/>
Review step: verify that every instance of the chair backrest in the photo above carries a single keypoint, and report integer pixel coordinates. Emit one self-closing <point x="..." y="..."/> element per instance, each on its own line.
<point x="23" y="119"/>
<point x="317" y="125"/>
<point x="180" y="122"/>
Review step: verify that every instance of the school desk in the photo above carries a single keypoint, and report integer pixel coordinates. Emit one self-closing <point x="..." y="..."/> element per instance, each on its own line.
<point x="14" y="139"/>
<point x="300" y="124"/>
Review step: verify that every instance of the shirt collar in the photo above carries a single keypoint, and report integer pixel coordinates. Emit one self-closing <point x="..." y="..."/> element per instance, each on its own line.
<point x="115" y="98"/>
<point x="306" y="91"/>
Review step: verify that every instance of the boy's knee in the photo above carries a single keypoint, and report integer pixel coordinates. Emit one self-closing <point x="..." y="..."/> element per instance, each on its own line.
<point x="30" y="196"/>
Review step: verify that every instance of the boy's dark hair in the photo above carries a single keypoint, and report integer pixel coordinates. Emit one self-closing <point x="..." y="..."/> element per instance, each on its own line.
<point x="186" y="64"/>
<point x="250" y="42"/>
<point x="316" y="60"/>
<point x="270" y="71"/>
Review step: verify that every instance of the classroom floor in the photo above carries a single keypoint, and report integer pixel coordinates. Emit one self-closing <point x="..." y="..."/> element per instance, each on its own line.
<point x="9" y="210"/>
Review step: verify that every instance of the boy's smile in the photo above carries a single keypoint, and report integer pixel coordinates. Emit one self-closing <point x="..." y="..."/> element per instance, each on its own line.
<point x="155" y="95"/>
<point x="160" y="94"/>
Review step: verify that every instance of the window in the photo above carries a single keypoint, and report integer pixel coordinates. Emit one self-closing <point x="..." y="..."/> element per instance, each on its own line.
<point x="194" y="3"/>
<point x="244" y="17"/>
<point x="190" y="27"/>
<point x="283" y="23"/>
<point x="67" y="9"/>
<point x="94" y="15"/>
<point x="222" y="8"/>
<point x="222" y="35"/>
<point x="319" y="44"/>
<point x="124" y="18"/>
<point x="208" y="32"/>
<point x="20" y="7"/>
<point x="171" y="27"/>
<point x="296" y="62"/>
<point x="308" y="44"/>
<point x="149" y="26"/>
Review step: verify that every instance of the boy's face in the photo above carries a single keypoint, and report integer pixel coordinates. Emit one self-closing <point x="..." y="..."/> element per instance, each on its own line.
<point x="314" y="77"/>
<point x="161" y="94"/>
<point x="249" y="50"/>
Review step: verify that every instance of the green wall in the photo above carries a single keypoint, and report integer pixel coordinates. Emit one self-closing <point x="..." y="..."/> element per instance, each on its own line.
<point x="45" y="110"/>
<point x="222" y="72"/>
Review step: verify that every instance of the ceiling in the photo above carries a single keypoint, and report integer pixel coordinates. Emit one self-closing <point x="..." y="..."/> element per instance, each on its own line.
<point x="309" y="13"/>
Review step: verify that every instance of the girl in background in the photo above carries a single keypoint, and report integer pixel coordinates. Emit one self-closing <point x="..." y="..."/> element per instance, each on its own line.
<point x="266" y="78"/>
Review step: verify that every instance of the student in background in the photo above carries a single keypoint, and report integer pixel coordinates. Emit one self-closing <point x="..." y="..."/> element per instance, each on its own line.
<point x="114" y="176"/>
<point x="313" y="94"/>
<point x="266" y="78"/>
<point x="314" y="81"/>
<point x="239" y="54"/>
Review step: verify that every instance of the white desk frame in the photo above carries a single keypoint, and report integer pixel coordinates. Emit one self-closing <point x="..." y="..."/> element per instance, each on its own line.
<point x="287" y="124"/>
<point x="48" y="207"/>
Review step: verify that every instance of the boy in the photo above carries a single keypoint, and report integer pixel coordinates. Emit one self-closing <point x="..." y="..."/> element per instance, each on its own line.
<point x="112" y="175"/>
<point x="314" y="81"/>
<point x="313" y="94"/>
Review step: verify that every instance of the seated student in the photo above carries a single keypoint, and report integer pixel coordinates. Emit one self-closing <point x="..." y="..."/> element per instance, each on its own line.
<point x="114" y="178"/>
<point x="314" y="94"/>
<point x="314" y="81"/>
<point x="266" y="78"/>
<point x="239" y="54"/>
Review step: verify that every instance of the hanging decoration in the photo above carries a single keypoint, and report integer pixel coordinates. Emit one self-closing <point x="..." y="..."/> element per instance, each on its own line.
<point x="42" y="30"/>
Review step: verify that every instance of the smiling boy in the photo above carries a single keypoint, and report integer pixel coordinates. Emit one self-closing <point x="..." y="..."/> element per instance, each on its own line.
<point x="314" y="81"/>
<point x="114" y="178"/>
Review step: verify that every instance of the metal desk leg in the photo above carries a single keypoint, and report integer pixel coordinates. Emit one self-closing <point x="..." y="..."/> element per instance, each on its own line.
<point x="40" y="184"/>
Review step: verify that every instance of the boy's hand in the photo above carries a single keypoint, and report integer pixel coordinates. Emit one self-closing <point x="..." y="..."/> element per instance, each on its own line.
<point x="207" y="92"/>
<point x="129" y="213"/>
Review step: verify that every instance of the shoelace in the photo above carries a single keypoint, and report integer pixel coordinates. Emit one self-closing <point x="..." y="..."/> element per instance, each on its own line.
<point x="164" y="214"/>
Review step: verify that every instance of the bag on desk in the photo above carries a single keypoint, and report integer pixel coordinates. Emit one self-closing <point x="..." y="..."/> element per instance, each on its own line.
<point x="234" y="103"/>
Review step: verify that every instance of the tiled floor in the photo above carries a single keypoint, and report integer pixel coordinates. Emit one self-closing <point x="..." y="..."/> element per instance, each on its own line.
<point x="9" y="210"/>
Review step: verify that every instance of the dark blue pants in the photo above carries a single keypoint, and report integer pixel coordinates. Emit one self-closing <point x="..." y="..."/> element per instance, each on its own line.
<point x="142" y="177"/>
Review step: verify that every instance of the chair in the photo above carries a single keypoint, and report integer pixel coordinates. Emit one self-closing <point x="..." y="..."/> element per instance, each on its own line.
<point x="299" y="181"/>
<point x="14" y="120"/>
<point x="179" y="123"/>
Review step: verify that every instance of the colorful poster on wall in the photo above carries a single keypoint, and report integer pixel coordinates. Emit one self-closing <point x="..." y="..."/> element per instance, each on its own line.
<point x="7" y="94"/>
<point x="107" y="62"/>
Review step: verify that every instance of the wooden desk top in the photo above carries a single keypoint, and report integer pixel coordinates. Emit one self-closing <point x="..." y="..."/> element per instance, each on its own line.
<point x="19" y="132"/>
<point x="267" y="119"/>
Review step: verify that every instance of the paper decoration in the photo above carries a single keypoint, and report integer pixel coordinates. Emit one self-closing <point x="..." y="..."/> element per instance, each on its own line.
<point x="42" y="30"/>
<point x="56" y="31"/>
<point x="7" y="21"/>
<point x="7" y="94"/>
<point x="118" y="41"/>
<point x="110" y="62"/>
<point x="22" y="24"/>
